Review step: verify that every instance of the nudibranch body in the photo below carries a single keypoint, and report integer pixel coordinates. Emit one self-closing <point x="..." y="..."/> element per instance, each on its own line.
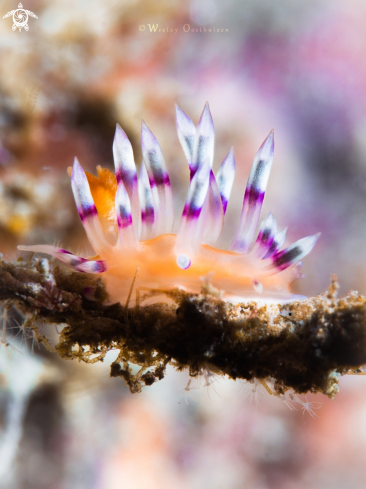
<point x="129" y="219"/>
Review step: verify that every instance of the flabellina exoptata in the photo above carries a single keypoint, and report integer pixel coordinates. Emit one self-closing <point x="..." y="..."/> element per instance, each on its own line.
<point x="128" y="219"/>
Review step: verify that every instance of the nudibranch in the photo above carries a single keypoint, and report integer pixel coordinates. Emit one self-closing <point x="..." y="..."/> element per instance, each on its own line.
<point x="128" y="219"/>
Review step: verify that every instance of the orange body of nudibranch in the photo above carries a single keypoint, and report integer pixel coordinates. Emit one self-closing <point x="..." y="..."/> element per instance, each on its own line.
<point x="129" y="221"/>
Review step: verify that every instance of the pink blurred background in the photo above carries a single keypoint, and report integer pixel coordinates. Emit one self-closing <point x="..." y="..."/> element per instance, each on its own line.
<point x="298" y="67"/>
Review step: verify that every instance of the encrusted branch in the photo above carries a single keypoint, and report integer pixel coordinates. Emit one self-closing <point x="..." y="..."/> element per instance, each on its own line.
<point x="305" y="345"/>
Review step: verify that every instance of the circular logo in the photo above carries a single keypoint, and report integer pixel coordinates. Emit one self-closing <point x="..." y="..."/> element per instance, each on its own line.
<point x="20" y="18"/>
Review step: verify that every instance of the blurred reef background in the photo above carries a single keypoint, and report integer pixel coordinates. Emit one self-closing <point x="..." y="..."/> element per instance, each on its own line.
<point x="295" y="66"/>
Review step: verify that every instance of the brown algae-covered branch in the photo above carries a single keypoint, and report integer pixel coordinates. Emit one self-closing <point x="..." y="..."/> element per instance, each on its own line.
<point x="304" y="345"/>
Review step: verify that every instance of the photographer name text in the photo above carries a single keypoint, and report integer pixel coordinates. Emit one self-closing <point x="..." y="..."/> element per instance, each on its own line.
<point x="156" y="29"/>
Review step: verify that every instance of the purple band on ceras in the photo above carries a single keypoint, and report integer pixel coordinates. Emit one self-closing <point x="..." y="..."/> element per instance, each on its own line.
<point x="188" y="236"/>
<point x="82" y="264"/>
<point x="87" y="211"/>
<point x="252" y="205"/>
<point x="191" y="212"/>
<point x="159" y="178"/>
<point x="126" y="236"/>
<point x="277" y="243"/>
<point x="97" y="266"/>
<point x="159" y="182"/>
<point x="265" y="236"/>
<point x="123" y="207"/>
<point x="283" y="259"/>
<point x="213" y="214"/>
<point x="124" y="220"/>
<point x="293" y="253"/>
<point x="147" y="215"/>
<point x="61" y="250"/>
<point x="130" y="176"/>
<point x="254" y="196"/>
<point x="146" y="204"/>
<point x="74" y="260"/>
<point x="126" y="174"/>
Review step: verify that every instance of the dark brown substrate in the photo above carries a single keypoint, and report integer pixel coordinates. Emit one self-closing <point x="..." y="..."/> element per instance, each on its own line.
<point x="304" y="346"/>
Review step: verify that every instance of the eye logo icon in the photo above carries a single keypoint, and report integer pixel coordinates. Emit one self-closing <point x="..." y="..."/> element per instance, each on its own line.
<point x="20" y="18"/>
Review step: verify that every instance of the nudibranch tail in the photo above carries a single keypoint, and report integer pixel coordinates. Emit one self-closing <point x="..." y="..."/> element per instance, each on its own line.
<point x="254" y="196"/>
<point x="128" y="221"/>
